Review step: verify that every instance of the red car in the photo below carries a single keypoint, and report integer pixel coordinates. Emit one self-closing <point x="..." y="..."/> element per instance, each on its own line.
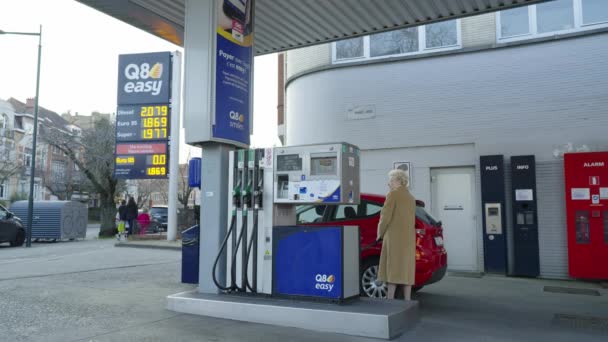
<point x="431" y="256"/>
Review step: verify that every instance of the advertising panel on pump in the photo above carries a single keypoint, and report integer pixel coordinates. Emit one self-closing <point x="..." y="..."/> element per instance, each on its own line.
<point x="233" y="71"/>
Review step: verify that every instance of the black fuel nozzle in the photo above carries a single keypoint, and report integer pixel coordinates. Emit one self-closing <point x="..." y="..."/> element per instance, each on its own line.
<point x="236" y="196"/>
<point x="258" y="199"/>
<point x="247" y="197"/>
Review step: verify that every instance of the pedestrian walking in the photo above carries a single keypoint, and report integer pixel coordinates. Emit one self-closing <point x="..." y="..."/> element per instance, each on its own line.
<point x="131" y="214"/>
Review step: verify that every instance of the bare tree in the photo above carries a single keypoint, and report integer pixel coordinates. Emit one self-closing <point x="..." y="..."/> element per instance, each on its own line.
<point x="145" y="189"/>
<point x="93" y="153"/>
<point x="63" y="183"/>
<point x="183" y="194"/>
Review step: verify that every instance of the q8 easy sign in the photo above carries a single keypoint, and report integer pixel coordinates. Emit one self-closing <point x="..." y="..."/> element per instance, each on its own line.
<point x="144" y="78"/>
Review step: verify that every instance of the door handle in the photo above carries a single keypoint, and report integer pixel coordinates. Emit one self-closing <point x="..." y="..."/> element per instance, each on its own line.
<point x="452" y="207"/>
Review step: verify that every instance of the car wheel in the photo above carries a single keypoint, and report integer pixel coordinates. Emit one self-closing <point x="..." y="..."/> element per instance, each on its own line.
<point x="19" y="239"/>
<point x="370" y="286"/>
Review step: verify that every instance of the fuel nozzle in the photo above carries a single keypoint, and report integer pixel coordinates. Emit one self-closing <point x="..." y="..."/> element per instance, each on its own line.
<point x="258" y="197"/>
<point x="236" y="196"/>
<point x="247" y="194"/>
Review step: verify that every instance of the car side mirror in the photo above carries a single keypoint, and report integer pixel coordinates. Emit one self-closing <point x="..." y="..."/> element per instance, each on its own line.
<point x="9" y="215"/>
<point x="440" y="224"/>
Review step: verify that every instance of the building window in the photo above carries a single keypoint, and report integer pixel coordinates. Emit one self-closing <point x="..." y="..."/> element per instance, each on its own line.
<point x="441" y="34"/>
<point x="409" y="41"/>
<point x="550" y="18"/>
<point x="58" y="170"/>
<point x="3" y="190"/>
<point x="555" y="16"/>
<point x="595" y="12"/>
<point x="514" y="22"/>
<point x="393" y="42"/>
<point x="3" y="121"/>
<point x="349" y="48"/>
<point x="27" y="157"/>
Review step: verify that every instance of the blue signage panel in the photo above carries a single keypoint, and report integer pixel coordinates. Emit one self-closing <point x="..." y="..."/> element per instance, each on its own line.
<point x="143" y="122"/>
<point x="194" y="173"/>
<point x="144" y="78"/>
<point x="308" y="262"/>
<point x="139" y="160"/>
<point x="234" y="56"/>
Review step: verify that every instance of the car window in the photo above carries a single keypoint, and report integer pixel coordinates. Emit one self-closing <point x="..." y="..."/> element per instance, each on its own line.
<point x="426" y="217"/>
<point x="159" y="211"/>
<point x="351" y="212"/>
<point x="309" y="213"/>
<point x="372" y="209"/>
<point x="347" y="212"/>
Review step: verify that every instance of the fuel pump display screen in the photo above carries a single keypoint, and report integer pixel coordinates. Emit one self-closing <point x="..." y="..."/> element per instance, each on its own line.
<point x="321" y="166"/>
<point x="492" y="211"/>
<point x="289" y="162"/>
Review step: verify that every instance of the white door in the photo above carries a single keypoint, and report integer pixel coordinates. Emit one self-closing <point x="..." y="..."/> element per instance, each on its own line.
<point x="453" y="203"/>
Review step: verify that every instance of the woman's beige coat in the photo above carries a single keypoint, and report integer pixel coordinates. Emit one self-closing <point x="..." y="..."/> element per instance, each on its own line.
<point x="398" y="232"/>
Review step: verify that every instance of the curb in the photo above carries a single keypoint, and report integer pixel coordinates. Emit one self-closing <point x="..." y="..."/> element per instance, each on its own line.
<point x="133" y="245"/>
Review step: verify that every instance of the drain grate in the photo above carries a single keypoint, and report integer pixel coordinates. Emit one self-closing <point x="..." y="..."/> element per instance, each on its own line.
<point x="581" y="322"/>
<point x="571" y="290"/>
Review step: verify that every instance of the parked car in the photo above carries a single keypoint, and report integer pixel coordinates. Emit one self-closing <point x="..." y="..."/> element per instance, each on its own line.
<point x="11" y="228"/>
<point x="431" y="256"/>
<point x="159" y="215"/>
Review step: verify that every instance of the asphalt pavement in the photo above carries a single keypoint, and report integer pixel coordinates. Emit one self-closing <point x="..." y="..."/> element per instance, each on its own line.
<point x="92" y="291"/>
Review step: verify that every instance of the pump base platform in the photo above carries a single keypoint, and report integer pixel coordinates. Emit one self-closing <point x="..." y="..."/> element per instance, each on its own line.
<point x="366" y="317"/>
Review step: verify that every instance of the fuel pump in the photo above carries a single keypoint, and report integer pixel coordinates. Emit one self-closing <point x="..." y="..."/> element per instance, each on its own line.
<point x="267" y="251"/>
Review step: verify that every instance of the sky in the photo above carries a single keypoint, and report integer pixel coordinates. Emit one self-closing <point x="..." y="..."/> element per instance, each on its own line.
<point x="80" y="48"/>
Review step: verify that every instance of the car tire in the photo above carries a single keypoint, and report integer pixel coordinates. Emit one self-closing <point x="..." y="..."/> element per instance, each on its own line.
<point x="367" y="283"/>
<point x="19" y="239"/>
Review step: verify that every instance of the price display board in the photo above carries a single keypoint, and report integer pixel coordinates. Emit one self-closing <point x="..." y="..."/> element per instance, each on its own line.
<point x="141" y="160"/>
<point x="143" y="116"/>
<point x="143" y="122"/>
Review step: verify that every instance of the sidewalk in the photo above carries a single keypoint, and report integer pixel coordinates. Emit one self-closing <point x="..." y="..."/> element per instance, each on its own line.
<point x="151" y="244"/>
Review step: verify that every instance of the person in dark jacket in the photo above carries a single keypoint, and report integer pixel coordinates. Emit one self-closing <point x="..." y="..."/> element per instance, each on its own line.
<point x="122" y="211"/>
<point x="131" y="214"/>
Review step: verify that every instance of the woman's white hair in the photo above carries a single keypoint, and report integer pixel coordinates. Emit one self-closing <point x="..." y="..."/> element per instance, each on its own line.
<point x="399" y="175"/>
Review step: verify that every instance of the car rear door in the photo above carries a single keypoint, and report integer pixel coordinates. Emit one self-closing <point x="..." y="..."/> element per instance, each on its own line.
<point x="365" y="215"/>
<point x="7" y="227"/>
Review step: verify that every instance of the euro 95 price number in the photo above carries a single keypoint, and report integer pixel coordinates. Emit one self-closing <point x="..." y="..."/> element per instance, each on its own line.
<point x="156" y="171"/>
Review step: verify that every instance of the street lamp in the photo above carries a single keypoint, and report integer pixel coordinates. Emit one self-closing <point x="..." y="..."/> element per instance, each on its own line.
<point x="30" y="208"/>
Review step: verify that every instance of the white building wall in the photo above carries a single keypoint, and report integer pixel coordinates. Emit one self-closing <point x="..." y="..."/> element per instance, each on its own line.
<point x="527" y="99"/>
<point x="299" y="60"/>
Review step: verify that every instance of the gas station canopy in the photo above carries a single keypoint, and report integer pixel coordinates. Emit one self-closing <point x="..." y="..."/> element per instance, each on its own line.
<point x="287" y="24"/>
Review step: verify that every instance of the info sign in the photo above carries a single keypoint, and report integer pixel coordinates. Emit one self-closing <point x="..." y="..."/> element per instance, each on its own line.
<point x="143" y="116"/>
<point x="141" y="160"/>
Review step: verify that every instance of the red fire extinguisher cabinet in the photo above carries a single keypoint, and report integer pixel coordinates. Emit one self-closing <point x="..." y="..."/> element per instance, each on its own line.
<point x="586" y="183"/>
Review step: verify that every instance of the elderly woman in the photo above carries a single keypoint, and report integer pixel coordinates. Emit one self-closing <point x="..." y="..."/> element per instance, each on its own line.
<point x="397" y="230"/>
